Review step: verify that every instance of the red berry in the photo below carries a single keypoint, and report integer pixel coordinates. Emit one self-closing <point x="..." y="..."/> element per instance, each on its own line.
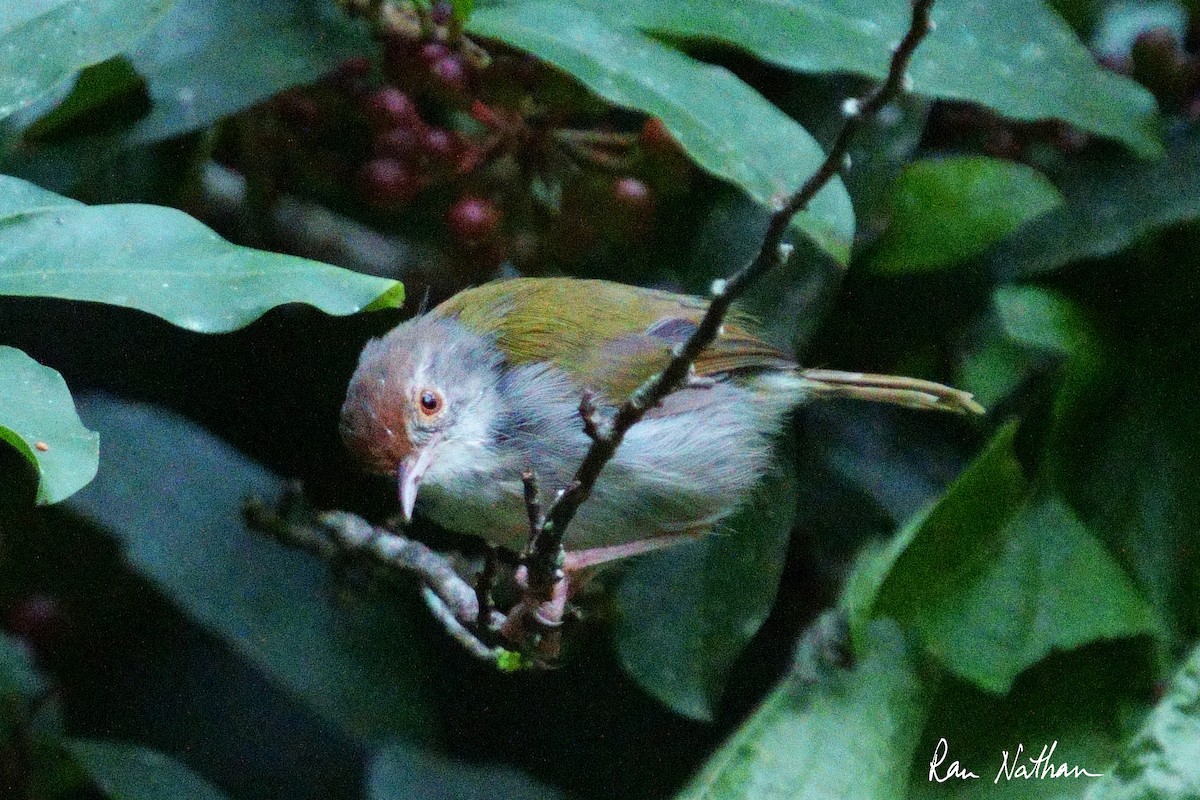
<point x="386" y="181"/>
<point x="450" y="73"/>
<point x="389" y="108"/>
<point x="398" y="143"/>
<point x="433" y="52"/>
<point x="633" y="194"/>
<point x="485" y="114"/>
<point x="439" y="144"/>
<point x="1159" y="62"/>
<point x="473" y="219"/>
<point x="442" y="12"/>
<point x="656" y="138"/>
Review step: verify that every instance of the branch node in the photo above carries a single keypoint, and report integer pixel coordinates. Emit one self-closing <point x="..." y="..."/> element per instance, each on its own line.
<point x="718" y="288"/>
<point x="851" y="107"/>
<point x="587" y="412"/>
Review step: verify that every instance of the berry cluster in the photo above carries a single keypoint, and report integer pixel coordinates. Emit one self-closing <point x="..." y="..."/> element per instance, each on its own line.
<point x="1168" y="66"/>
<point x="489" y="151"/>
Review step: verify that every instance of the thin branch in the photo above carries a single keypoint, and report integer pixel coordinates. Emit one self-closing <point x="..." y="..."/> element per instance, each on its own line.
<point x="339" y="534"/>
<point x="548" y="542"/>
<point x="587" y="413"/>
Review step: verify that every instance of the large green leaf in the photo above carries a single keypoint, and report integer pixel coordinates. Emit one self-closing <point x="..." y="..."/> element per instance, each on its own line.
<point x="1110" y="204"/>
<point x="1126" y="451"/>
<point x="687" y="612"/>
<point x="1015" y="56"/>
<point x="727" y="127"/>
<point x="848" y="734"/>
<point x="161" y="261"/>
<point x="44" y="42"/>
<point x="1163" y="759"/>
<point x="946" y="210"/>
<point x="129" y="772"/>
<point x="211" y="58"/>
<point x="171" y="493"/>
<point x="38" y="418"/>
<point x="995" y="477"/>
<point x="994" y="577"/>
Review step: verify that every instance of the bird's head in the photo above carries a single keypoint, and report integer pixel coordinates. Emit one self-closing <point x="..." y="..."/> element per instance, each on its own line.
<point x="423" y="404"/>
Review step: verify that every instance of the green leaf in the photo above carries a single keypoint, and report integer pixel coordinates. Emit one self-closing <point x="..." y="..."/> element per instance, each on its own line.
<point x="1045" y="320"/>
<point x="172" y="493"/>
<point x="129" y="772"/>
<point x="38" y="418"/>
<point x="995" y="480"/>
<point x="687" y="612"/>
<point x="99" y="85"/>
<point x="993" y="578"/>
<point x="946" y="210"/>
<point x="1015" y="56"/>
<point x="1163" y="759"/>
<point x="462" y="9"/>
<point x="992" y="367"/>
<point x="1109" y="205"/>
<point x="211" y="58"/>
<point x="161" y="261"/>
<point x="1049" y="585"/>
<point x="403" y="770"/>
<point x="44" y="42"/>
<point x="1126" y="453"/>
<point x="725" y="126"/>
<point x="850" y="734"/>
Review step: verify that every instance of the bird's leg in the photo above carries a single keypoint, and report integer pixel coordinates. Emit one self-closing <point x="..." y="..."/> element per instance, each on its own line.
<point x="578" y="560"/>
<point x="538" y="616"/>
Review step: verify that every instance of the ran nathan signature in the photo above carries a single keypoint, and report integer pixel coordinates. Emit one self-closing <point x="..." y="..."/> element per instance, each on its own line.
<point x="1039" y="768"/>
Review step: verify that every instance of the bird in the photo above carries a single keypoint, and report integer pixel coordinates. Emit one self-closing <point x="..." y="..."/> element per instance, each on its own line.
<point x="459" y="402"/>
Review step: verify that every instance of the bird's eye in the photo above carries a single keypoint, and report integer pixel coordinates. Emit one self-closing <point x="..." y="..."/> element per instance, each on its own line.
<point x="431" y="402"/>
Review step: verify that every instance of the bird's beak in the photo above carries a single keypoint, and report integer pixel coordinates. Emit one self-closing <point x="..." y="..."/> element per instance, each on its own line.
<point x="409" y="474"/>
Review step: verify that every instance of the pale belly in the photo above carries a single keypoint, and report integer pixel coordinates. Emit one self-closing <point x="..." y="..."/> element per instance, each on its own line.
<point x="680" y="472"/>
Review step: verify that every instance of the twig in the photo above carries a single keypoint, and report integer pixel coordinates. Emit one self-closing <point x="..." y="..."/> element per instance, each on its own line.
<point x="547" y="541"/>
<point x="485" y="584"/>
<point x="339" y="534"/>
<point x="587" y="413"/>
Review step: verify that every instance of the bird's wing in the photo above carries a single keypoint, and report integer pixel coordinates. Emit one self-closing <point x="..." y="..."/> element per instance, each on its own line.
<point x="609" y="336"/>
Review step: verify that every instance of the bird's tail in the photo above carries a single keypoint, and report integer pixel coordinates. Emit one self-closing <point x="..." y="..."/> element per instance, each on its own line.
<point x="894" y="389"/>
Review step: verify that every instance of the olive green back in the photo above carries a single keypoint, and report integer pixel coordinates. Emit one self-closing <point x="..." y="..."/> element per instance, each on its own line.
<point x="609" y="336"/>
